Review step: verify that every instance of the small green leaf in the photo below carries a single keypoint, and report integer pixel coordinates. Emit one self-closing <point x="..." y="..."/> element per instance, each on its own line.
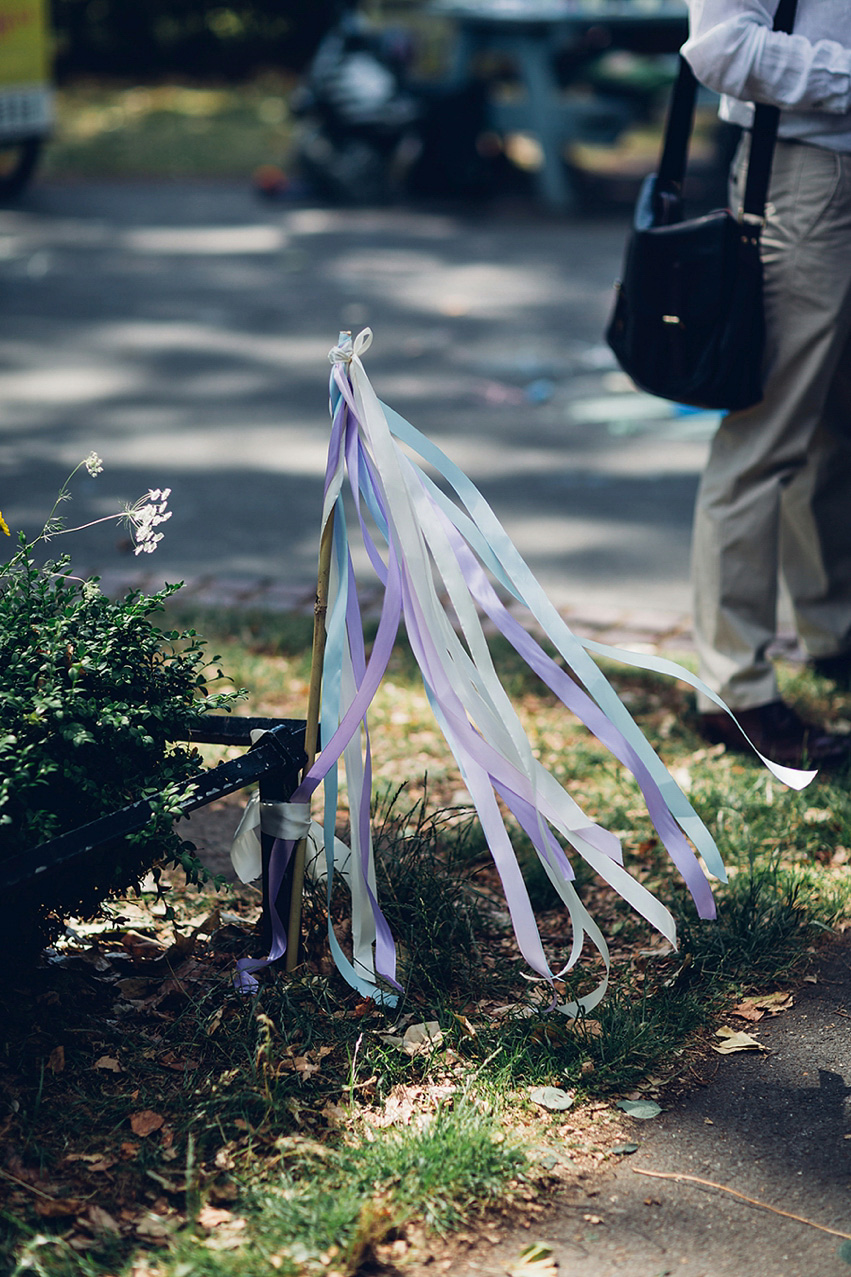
<point x="551" y="1097"/>
<point x="642" y="1109"/>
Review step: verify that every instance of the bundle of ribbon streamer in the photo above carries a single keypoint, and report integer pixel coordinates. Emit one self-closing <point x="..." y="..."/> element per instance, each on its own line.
<point x="444" y="552"/>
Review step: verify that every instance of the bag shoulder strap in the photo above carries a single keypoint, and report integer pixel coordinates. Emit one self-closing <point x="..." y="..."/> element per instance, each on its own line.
<point x="672" y="165"/>
<point x="764" y="133"/>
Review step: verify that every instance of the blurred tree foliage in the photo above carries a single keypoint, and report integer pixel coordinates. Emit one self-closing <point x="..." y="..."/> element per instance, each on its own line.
<point x="152" y="38"/>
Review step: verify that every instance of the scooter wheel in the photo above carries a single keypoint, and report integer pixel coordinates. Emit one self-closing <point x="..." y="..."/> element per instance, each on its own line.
<point x="17" y="162"/>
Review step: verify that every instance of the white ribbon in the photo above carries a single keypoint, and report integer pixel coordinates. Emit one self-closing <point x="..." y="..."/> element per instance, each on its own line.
<point x="435" y="550"/>
<point x="278" y="819"/>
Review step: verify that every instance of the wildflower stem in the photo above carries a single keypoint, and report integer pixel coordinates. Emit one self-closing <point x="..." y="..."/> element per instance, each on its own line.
<point x="94" y="465"/>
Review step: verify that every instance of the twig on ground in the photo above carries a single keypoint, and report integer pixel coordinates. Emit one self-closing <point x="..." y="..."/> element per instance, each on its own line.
<point x="703" y="1081"/>
<point x="752" y="1201"/>
<point x="31" y="1188"/>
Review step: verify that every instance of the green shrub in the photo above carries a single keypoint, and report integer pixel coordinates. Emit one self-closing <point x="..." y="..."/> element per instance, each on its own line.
<point x="93" y="700"/>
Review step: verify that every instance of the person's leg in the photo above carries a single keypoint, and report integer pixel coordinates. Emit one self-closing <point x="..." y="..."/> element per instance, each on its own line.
<point x="734" y="572"/>
<point x="758" y="453"/>
<point x="816" y="530"/>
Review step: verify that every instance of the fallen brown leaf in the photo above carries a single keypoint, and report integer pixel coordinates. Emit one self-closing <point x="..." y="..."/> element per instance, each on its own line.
<point x="735" y="1040"/>
<point x="100" y="1221"/>
<point x="108" y="1063"/>
<point x="154" y="1227"/>
<point x="142" y="948"/>
<point x="334" y="1114"/>
<point x="774" y="1003"/>
<point x="183" y="944"/>
<point x="82" y="1241"/>
<point x="418" y="1039"/>
<point x="215" y="1020"/>
<point x="96" y="1162"/>
<point x="134" y="987"/>
<point x="57" y="1207"/>
<point x="362" y="1008"/>
<point x="747" y="1010"/>
<point x="213" y="1216"/>
<point x="226" y="1235"/>
<point x="466" y="1027"/>
<point x="179" y="1063"/>
<point x="145" y="1122"/>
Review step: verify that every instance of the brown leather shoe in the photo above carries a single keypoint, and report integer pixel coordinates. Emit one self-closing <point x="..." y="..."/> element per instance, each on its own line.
<point x="778" y="733"/>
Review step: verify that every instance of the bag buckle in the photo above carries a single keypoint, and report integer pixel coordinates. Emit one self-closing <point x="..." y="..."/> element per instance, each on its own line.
<point x="752" y="225"/>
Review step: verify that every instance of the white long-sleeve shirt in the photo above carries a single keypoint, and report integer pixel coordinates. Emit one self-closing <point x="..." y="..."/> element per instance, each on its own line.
<point x="732" y="49"/>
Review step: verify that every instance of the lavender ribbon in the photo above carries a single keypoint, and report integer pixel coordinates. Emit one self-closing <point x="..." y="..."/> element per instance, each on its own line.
<point x="424" y="532"/>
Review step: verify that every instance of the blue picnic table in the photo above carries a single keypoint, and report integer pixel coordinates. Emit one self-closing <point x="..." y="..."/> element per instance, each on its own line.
<point x="532" y="35"/>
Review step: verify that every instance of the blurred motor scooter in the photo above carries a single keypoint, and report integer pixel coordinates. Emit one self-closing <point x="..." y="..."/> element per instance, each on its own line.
<point x="368" y="133"/>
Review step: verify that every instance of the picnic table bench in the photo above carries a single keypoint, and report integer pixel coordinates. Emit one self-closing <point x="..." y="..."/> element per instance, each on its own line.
<point x="531" y="34"/>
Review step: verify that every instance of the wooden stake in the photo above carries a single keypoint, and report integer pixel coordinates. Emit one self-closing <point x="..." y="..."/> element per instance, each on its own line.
<point x="311" y="731"/>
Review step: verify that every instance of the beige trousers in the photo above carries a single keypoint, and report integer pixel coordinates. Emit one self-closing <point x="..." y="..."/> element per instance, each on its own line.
<point x="775" y="497"/>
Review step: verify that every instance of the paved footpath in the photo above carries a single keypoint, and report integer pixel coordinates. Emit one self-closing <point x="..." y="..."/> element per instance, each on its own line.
<point x="774" y="1126"/>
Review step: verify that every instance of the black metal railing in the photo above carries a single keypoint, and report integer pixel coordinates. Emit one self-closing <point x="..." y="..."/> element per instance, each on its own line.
<point x="275" y="762"/>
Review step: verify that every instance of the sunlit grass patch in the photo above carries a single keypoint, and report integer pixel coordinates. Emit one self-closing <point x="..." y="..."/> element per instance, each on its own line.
<point x="312" y="1206"/>
<point x="169" y="130"/>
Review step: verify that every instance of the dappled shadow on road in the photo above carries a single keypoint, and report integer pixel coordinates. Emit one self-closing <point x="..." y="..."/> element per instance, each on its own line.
<point x="181" y="331"/>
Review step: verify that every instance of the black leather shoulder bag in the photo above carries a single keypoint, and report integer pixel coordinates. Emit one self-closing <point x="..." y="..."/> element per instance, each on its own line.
<point x="687" y="323"/>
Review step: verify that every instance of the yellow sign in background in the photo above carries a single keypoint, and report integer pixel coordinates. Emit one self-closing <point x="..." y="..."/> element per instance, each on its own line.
<point x="23" y="42"/>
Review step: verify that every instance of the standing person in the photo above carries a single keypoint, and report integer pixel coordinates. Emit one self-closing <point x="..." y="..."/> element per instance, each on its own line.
<point x="775" y="498"/>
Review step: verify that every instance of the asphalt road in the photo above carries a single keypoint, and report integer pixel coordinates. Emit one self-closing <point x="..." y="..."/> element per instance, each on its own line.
<point x="772" y="1125"/>
<point x="181" y="331"/>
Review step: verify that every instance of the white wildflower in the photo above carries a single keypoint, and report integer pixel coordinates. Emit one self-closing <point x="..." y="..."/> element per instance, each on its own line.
<point x="148" y="513"/>
<point x="93" y="464"/>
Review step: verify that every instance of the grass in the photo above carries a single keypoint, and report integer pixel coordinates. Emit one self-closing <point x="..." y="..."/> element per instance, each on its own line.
<point x="297" y="1131"/>
<point x="339" y="1202"/>
<point x="120" y="131"/>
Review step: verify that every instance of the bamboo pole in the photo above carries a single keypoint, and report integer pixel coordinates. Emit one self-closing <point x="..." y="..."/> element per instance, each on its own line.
<point x="311" y="731"/>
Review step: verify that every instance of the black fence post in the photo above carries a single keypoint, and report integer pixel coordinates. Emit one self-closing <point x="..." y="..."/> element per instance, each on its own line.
<point x="275" y="786"/>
